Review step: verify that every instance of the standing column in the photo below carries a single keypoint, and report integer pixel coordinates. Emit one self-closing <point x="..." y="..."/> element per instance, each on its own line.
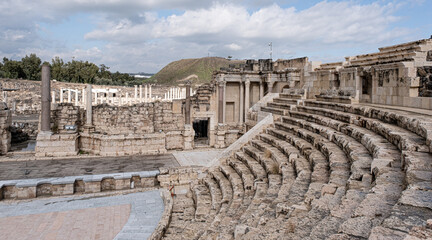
<point x="140" y="93"/>
<point x="46" y="99"/>
<point x="242" y="113"/>
<point x="61" y="95"/>
<point x="150" y="93"/>
<point x="220" y="102"/>
<point x="76" y="97"/>
<point x="83" y="96"/>
<point x="261" y="91"/>
<point x="188" y="102"/>
<point x="96" y="96"/>
<point x="53" y="96"/>
<point x="145" y="93"/>
<point x="89" y="110"/>
<point x="136" y="93"/>
<point x="247" y="91"/>
<point x="224" y="102"/>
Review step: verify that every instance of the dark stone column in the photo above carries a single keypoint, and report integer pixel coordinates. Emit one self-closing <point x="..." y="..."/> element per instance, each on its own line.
<point x="221" y="102"/>
<point x="46" y="99"/>
<point x="188" y="104"/>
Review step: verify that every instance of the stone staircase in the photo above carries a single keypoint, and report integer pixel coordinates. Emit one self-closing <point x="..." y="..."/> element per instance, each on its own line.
<point x="322" y="171"/>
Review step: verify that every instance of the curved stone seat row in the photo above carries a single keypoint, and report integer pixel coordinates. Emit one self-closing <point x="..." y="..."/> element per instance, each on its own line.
<point x="322" y="171"/>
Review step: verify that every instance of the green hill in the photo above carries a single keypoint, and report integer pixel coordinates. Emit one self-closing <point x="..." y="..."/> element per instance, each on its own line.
<point x="198" y="70"/>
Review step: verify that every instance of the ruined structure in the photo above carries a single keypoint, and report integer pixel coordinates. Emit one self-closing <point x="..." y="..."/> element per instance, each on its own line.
<point x="316" y="151"/>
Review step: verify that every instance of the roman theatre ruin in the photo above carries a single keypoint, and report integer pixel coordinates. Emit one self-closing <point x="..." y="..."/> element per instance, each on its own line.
<point x="310" y="151"/>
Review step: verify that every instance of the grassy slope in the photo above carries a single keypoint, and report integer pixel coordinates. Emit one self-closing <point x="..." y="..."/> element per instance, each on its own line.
<point x="173" y="73"/>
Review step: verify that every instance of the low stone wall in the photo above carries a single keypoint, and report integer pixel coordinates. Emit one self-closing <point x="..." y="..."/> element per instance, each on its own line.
<point x="56" y="145"/>
<point x="32" y="188"/>
<point x="120" y="145"/>
<point x="177" y="180"/>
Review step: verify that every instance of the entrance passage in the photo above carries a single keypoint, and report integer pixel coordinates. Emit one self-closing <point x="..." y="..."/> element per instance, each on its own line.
<point x="201" y="132"/>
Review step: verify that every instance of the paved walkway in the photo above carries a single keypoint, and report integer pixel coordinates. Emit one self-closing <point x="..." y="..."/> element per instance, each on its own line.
<point x="129" y="216"/>
<point x="83" y="166"/>
<point x="198" y="157"/>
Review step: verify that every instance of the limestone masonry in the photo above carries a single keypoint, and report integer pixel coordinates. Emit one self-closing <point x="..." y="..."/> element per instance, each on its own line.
<point x="313" y="151"/>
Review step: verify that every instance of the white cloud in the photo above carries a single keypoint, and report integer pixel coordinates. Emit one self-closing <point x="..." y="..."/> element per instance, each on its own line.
<point x="138" y="37"/>
<point x="234" y="47"/>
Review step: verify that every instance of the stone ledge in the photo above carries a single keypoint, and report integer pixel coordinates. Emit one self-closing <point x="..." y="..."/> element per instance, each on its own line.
<point x="29" y="188"/>
<point x="166" y="216"/>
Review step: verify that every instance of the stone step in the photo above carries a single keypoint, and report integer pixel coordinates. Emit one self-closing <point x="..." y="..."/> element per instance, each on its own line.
<point x="290" y="96"/>
<point x="255" y="167"/>
<point x="358" y="155"/>
<point x="286" y="106"/>
<point x="264" y="159"/>
<point x="285" y="100"/>
<point x="338" y="162"/>
<point x="246" y="175"/>
<point x="224" y="185"/>
<point x="416" y="123"/>
<point x="203" y="202"/>
<point x="183" y="213"/>
<point x="215" y="192"/>
<point x="402" y="138"/>
<point x="276" y="111"/>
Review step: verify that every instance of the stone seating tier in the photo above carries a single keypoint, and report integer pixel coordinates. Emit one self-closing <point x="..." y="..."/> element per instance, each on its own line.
<point x="322" y="171"/>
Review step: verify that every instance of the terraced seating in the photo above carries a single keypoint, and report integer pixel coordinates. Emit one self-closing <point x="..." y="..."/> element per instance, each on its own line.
<point x="323" y="171"/>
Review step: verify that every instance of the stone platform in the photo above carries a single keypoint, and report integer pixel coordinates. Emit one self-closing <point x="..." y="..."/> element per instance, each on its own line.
<point x="97" y="216"/>
<point x="83" y="166"/>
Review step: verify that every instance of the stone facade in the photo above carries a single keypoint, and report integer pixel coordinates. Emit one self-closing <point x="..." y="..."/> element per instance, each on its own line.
<point x="398" y="75"/>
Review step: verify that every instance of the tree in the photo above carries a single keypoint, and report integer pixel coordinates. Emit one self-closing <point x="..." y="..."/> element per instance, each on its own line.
<point x="58" y="70"/>
<point x="12" y="69"/>
<point x="31" y="67"/>
<point x="103" y="71"/>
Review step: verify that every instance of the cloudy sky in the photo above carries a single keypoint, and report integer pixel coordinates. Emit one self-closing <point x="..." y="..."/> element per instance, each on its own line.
<point x="145" y="35"/>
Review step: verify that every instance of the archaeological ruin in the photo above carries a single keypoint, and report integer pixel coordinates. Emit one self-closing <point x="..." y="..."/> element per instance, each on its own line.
<point x="309" y="150"/>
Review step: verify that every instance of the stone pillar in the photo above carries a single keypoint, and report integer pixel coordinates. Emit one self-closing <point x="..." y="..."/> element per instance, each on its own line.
<point x="242" y="112"/>
<point x="247" y="92"/>
<point x="270" y="87"/>
<point x="76" y="97"/>
<point x="140" y="98"/>
<point x="220" y="102"/>
<point x="187" y="109"/>
<point x="136" y="93"/>
<point x="96" y="98"/>
<point x="261" y="91"/>
<point x="83" y="96"/>
<point x="46" y="100"/>
<point x="69" y="96"/>
<point x="61" y="95"/>
<point x="145" y="93"/>
<point x="53" y="96"/>
<point x="89" y="110"/>
<point x="150" y="92"/>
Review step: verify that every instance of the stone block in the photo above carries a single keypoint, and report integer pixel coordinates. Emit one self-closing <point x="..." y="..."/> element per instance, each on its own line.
<point x="25" y="192"/>
<point x="43" y="190"/>
<point x="92" y="187"/>
<point x="149" y="182"/>
<point x="62" y="189"/>
<point x="122" y="184"/>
